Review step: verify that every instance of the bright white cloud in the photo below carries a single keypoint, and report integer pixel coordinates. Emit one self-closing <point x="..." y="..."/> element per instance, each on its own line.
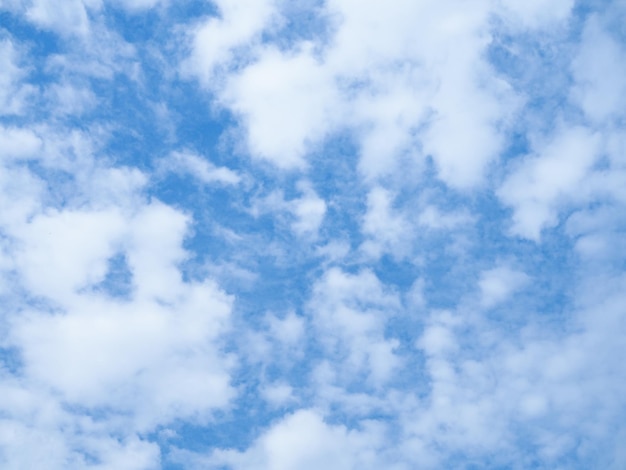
<point x="87" y="238"/>
<point x="278" y="394"/>
<point x="148" y="357"/>
<point x="156" y="346"/>
<point x="303" y="440"/>
<point x="537" y="13"/>
<point x="215" y="41"/>
<point x="289" y="93"/>
<point x="66" y="18"/>
<point x="434" y="218"/>
<point x="468" y="410"/>
<point x="165" y="351"/>
<point x="200" y="168"/>
<point x="364" y="77"/>
<point x="138" y="6"/>
<point x="599" y="70"/>
<point x="597" y="232"/>
<point x="350" y="312"/>
<point x="68" y="99"/>
<point x="309" y="211"/>
<point x="14" y="94"/>
<point x="16" y="143"/>
<point x="497" y="284"/>
<point x="306" y="213"/>
<point x="548" y="180"/>
<point x="389" y="231"/>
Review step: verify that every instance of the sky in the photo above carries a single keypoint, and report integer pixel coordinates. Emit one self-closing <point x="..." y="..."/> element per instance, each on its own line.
<point x="313" y="234"/>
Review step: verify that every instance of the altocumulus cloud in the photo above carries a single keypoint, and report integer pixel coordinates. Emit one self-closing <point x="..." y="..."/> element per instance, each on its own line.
<point x="291" y="235"/>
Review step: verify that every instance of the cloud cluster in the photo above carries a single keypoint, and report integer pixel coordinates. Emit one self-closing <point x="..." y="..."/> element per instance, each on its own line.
<point x="263" y="234"/>
<point x="401" y="78"/>
<point x="102" y="336"/>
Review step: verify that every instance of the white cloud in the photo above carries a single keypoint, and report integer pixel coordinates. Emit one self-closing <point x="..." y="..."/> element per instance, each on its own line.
<point x="152" y="352"/>
<point x="158" y="229"/>
<point x="364" y="77"/>
<point x="599" y="71"/>
<point x="147" y="358"/>
<point x="306" y="213"/>
<point x="497" y="284"/>
<point x="96" y="52"/>
<point x="432" y="217"/>
<point x="309" y="211"/>
<point x="288" y="330"/>
<point x="22" y="193"/>
<point x="278" y="394"/>
<point x="537" y="13"/>
<point x="489" y="387"/>
<point x="198" y="167"/>
<point x="349" y="312"/>
<point x="334" y="251"/>
<point x="438" y="337"/>
<point x="387" y="228"/>
<point x="279" y="341"/>
<point x="47" y="243"/>
<point x="307" y="93"/>
<point x="139" y="6"/>
<point x="396" y="230"/>
<point x="597" y="232"/>
<point x="14" y="94"/>
<point x="65" y="18"/>
<point x="290" y="93"/>
<point x="304" y="441"/>
<point x="215" y="40"/>
<point x="18" y="143"/>
<point x="32" y="448"/>
<point x="70" y="99"/>
<point x="546" y="181"/>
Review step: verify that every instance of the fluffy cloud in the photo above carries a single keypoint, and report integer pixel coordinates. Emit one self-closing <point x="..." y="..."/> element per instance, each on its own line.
<point x="98" y="310"/>
<point x="304" y="440"/>
<point x="350" y="312"/>
<point x="544" y="183"/>
<point x="533" y="398"/>
<point x="14" y="93"/>
<point x="365" y="78"/>
<point x="119" y="348"/>
<point x="387" y="229"/>
<point x="214" y="42"/>
<point x="598" y="68"/>
<point x="71" y="17"/>
<point x="497" y="284"/>
<point x="306" y="213"/>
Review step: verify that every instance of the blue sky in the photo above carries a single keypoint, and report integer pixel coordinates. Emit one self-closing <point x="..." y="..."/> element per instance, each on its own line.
<point x="260" y="234"/>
